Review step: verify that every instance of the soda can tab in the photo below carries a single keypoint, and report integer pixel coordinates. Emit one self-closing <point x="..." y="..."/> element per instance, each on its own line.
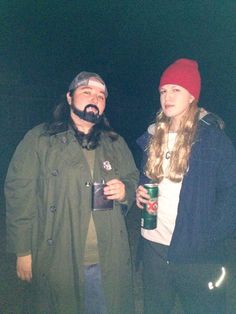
<point x="149" y="213"/>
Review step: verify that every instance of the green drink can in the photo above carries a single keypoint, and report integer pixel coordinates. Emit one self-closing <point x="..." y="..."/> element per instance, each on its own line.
<point x="149" y="213"/>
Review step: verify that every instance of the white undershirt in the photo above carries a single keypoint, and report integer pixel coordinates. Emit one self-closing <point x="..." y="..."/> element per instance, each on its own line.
<point x="168" y="200"/>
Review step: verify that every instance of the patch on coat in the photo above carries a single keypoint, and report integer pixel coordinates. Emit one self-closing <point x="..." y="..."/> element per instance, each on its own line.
<point x="106" y="165"/>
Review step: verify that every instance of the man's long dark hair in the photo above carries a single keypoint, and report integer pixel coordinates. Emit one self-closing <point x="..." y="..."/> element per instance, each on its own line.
<point x="61" y="119"/>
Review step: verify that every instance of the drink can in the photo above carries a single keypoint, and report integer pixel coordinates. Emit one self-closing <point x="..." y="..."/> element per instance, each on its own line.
<point x="149" y="213"/>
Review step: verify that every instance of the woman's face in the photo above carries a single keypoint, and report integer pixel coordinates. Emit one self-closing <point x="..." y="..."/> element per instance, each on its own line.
<point x="175" y="101"/>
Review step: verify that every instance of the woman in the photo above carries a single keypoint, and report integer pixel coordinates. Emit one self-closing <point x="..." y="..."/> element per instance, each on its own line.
<point x="194" y="162"/>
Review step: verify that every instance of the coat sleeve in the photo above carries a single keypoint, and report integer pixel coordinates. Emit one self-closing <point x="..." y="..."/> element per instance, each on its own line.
<point x="20" y="193"/>
<point x="225" y="225"/>
<point x="127" y="170"/>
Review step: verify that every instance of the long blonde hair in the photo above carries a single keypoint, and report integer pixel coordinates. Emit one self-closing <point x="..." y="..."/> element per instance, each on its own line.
<point x="181" y="151"/>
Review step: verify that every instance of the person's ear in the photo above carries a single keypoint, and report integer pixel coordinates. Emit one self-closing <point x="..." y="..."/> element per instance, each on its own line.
<point x="192" y="98"/>
<point x="69" y="98"/>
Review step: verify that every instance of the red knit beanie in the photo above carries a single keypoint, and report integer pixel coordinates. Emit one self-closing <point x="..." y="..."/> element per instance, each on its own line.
<point x="183" y="72"/>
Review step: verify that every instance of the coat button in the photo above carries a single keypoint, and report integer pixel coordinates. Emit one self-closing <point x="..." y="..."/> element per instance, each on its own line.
<point x="50" y="242"/>
<point x="64" y="140"/>
<point x="53" y="208"/>
<point x="55" y="172"/>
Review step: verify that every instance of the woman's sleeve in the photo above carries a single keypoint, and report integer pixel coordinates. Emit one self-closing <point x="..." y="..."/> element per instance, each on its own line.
<point x="142" y="143"/>
<point x="226" y="190"/>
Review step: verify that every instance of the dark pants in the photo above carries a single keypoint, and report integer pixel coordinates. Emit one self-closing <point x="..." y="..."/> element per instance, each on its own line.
<point x="191" y="282"/>
<point x="94" y="295"/>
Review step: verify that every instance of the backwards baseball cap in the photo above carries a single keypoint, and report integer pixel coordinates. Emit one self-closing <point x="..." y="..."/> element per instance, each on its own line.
<point x="88" y="79"/>
<point x="183" y="72"/>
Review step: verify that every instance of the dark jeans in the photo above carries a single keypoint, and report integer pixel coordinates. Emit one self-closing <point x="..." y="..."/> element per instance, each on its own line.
<point x="94" y="295"/>
<point x="191" y="282"/>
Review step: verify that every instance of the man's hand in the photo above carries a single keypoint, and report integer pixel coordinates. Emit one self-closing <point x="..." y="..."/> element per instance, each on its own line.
<point x="24" y="267"/>
<point x="115" y="190"/>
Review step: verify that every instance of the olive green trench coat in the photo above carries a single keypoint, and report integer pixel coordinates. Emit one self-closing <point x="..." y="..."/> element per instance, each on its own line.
<point x="48" y="197"/>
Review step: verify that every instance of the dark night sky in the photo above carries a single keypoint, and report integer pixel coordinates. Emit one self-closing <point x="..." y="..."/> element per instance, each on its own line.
<point x="44" y="44"/>
<point x="127" y="42"/>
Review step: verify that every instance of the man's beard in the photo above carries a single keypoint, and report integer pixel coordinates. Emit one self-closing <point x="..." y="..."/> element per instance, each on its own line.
<point x="86" y="115"/>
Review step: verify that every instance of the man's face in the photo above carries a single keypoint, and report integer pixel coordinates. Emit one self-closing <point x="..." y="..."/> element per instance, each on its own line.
<point x="93" y="94"/>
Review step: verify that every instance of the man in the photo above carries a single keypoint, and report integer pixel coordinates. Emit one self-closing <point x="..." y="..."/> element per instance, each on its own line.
<point x="76" y="258"/>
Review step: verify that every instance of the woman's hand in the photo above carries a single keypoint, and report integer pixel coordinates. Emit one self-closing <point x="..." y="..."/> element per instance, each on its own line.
<point x="142" y="196"/>
<point x="115" y="190"/>
<point x="24" y="267"/>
